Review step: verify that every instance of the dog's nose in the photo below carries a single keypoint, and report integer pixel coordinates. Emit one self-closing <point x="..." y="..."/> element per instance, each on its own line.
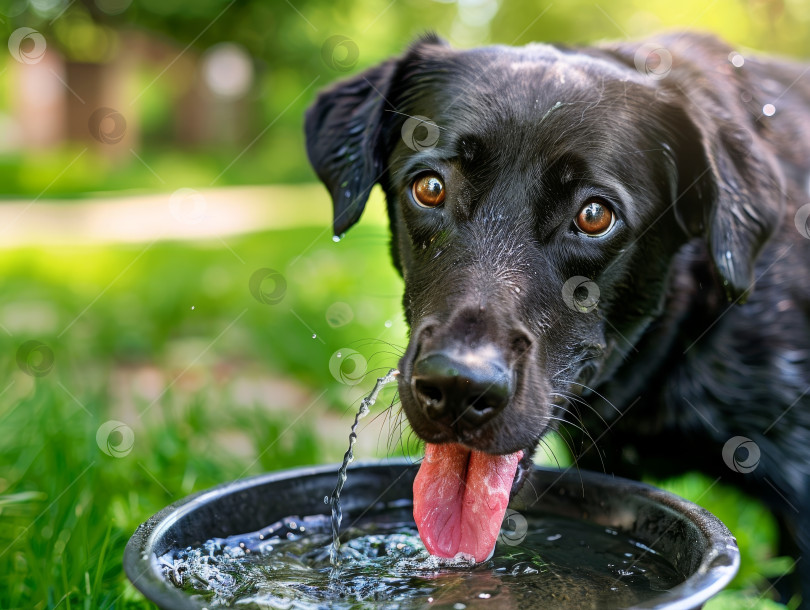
<point x="467" y="388"/>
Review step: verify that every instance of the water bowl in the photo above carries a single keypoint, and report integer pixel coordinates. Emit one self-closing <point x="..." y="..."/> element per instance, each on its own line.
<point x="571" y="539"/>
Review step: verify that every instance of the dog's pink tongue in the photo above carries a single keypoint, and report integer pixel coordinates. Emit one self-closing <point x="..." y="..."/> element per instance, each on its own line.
<point x="460" y="497"/>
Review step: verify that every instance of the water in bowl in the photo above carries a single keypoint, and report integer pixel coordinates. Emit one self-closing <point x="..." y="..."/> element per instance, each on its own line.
<point x="560" y="563"/>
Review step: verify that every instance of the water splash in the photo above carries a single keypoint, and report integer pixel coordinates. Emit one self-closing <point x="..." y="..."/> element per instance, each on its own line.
<point x="561" y="564"/>
<point x="348" y="458"/>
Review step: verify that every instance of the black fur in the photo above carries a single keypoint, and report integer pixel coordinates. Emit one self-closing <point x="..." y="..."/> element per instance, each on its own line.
<point x="682" y="353"/>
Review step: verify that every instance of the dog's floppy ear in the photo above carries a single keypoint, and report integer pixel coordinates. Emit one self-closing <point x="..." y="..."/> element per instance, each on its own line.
<point x="730" y="187"/>
<point x="342" y="136"/>
<point x="730" y="192"/>
<point x="345" y="130"/>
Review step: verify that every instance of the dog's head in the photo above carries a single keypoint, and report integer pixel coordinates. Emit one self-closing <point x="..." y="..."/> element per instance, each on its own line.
<point x="537" y="197"/>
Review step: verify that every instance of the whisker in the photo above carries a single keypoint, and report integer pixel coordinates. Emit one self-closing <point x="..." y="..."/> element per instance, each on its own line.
<point x="395" y="432"/>
<point x="576" y="401"/>
<point x="569" y="423"/>
<point x="549" y="451"/>
<point x="371" y="340"/>
<point x="573" y="456"/>
<point x="587" y="434"/>
<point x="578" y="359"/>
<point x="590" y="389"/>
<point x="387" y="423"/>
<point x="379" y="369"/>
<point x="572" y="452"/>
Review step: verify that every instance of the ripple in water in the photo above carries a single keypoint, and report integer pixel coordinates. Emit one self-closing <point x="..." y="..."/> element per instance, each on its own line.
<point x="560" y="564"/>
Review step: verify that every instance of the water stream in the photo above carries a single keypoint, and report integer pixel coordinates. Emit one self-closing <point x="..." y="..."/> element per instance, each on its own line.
<point x="348" y="458"/>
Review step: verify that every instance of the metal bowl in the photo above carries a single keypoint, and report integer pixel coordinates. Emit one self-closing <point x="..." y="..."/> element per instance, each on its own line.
<point x="693" y="540"/>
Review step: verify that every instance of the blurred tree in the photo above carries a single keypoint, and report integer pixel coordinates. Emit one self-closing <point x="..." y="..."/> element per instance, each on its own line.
<point x="156" y="54"/>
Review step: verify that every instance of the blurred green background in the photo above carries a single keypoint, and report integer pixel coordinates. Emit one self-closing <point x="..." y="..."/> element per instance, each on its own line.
<point x="172" y="305"/>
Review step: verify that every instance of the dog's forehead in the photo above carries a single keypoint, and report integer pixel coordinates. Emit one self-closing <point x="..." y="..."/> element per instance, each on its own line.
<point x="495" y="93"/>
<point x="531" y="79"/>
<point x="569" y="66"/>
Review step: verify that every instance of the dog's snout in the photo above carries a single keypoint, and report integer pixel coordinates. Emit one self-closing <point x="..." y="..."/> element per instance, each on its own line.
<point x="462" y="388"/>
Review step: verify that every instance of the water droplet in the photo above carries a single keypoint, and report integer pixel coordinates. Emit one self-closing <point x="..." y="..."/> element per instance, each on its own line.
<point x="736" y="59"/>
<point x="728" y="254"/>
<point x="768" y="109"/>
<point x="326" y="499"/>
<point x="336" y="238"/>
<point x="339" y="355"/>
<point x="314" y="336"/>
<point x="388" y="323"/>
<point x="192" y="308"/>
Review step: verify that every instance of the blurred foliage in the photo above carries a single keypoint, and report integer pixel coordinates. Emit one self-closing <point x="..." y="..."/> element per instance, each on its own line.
<point x="288" y="43"/>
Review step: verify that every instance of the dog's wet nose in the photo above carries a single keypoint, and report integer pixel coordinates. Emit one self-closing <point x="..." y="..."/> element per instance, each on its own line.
<point x="462" y="388"/>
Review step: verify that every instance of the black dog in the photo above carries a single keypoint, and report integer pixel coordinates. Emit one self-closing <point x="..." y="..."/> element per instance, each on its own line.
<point x="620" y="227"/>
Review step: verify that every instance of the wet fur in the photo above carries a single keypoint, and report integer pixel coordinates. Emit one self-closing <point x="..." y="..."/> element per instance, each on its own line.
<point x="702" y="329"/>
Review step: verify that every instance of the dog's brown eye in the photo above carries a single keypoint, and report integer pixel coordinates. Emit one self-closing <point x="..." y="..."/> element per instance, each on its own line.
<point x="428" y="190"/>
<point x="595" y="217"/>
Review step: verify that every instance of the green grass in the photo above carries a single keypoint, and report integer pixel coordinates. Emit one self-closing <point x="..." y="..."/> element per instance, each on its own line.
<point x="163" y="339"/>
<point x="156" y="169"/>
